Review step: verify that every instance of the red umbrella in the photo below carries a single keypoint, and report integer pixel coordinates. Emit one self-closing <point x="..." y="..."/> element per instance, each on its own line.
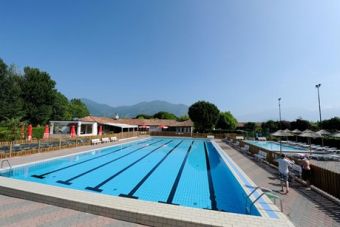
<point x="163" y="126"/>
<point x="46" y="132"/>
<point x="29" y="132"/>
<point x="100" y="131"/>
<point x="73" y="131"/>
<point x="144" y="126"/>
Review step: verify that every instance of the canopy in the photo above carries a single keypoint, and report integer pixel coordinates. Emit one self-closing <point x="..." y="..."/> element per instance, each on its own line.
<point x="310" y="134"/>
<point x="282" y="133"/>
<point x="323" y="132"/>
<point x="119" y="125"/>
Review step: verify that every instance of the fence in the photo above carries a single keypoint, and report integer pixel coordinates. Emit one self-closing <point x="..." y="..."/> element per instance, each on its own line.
<point x="23" y="147"/>
<point x="324" y="179"/>
<point x="194" y="135"/>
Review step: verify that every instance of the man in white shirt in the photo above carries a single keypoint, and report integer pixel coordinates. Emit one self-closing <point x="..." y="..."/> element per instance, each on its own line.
<point x="284" y="164"/>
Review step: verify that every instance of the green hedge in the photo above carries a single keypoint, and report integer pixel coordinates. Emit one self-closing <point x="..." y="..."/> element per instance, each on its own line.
<point x="38" y="132"/>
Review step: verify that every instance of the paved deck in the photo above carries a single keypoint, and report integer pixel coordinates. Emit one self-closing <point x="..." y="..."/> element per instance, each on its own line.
<point x="19" y="212"/>
<point x="305" y="208"/>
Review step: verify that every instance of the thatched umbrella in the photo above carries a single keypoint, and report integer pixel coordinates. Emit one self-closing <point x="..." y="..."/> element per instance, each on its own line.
<point x="282" y="133"/>
<point x="323" y="133"/>
<point x="336" y="134"/>
<point x="310" y="134"/>
<point x="296" y="133"/>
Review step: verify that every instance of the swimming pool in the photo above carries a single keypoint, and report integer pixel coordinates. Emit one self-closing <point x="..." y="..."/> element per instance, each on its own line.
<point x="185" y="172"/>
<point x="274" y="146"/>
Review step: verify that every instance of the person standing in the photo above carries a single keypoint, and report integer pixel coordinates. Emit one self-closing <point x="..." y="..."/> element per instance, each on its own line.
<point x="306" y="171"/>
<point x="284" y="164"/>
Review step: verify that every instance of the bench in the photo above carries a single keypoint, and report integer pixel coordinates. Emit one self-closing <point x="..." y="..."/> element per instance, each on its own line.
<point x="95" y="141"/>
<point x="113" y="139"/>
<point x="105" y="140"/>
<point x="239" y="138"/>
<point x="210" y="136"/>
<point x="261" y="156"/>
<point x="261" y="138"/>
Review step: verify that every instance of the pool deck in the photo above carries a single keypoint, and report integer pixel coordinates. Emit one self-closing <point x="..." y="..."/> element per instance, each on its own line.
<point x="305" y="208"/>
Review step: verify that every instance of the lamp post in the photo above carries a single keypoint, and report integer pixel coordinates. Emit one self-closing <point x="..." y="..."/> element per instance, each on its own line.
<point x="318" y="88"/>
<point x="279" y="99"/>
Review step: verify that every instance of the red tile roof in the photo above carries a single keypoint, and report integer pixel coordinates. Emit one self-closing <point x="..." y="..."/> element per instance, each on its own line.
<point x="148" y="122"/>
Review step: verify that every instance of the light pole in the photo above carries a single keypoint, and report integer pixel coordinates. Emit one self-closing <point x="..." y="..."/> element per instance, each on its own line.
<point x="318" y="87"/>
<point x="279" y="99"/>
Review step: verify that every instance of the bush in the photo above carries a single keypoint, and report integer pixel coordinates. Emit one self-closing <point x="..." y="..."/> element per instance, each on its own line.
<point x="38" y="132"/>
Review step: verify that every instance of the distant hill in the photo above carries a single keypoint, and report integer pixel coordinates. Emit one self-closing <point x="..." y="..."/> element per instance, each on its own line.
<point x="150" y="108"/>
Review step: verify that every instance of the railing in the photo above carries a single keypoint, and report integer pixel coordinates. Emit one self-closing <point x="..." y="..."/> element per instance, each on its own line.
<point x="323" y="179"/>
<point x="22" y="147"/>
<point x="193" y="135"/>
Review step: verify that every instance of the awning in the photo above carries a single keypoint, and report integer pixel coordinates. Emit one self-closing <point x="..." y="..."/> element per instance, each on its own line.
<point x="121" y="125"/>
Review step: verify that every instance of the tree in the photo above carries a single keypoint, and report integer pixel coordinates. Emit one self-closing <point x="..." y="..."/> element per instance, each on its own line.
<point x="164" y="115"/>
<point x="38" y="92"/>
<point x="226" y="121"/>
<point x="11" y="103"/>
<point x="183" y="118"/>
<point x="331" y="124"/>
<point x="61" y="108"/>
<point x="270" y="126"/>
<point x="300" y="124"/>
<point x="204" y="115"/>
<point x="78" y="109"/>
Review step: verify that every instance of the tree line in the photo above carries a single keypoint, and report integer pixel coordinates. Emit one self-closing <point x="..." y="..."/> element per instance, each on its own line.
<point x="162" y="115"/>
<point x="32" y="97"/>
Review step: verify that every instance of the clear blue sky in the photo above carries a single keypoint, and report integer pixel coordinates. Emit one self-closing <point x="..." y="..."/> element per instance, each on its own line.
<point x="240" y="55"/>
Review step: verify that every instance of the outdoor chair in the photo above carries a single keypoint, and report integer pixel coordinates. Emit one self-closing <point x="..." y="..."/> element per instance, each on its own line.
<point x="261" y="156"/>
<point x="105" y="140"/>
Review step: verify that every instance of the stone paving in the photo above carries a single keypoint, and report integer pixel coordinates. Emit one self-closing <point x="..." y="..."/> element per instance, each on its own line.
<point x="18" y="212"/>
<point x="305" y="208"/>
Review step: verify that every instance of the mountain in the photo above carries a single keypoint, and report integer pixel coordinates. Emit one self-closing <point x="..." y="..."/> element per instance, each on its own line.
<point x="150" y="108"/>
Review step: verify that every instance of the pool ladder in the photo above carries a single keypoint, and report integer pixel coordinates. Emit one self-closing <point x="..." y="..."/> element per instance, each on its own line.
<point x="265" y="191"/>
<point x="8" y="163"/>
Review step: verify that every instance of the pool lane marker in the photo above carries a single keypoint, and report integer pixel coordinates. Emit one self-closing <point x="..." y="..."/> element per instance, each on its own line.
<point x="68" y="182"/>
<point x="97" y="187"/>
<point x="141" y="182"/>
<point x="178" y="177"/>
<point x="211" y="185"/>
<point x="42" y="176"/>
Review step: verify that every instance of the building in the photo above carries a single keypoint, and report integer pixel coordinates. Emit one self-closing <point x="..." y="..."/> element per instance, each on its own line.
<point x="90" y="126"/>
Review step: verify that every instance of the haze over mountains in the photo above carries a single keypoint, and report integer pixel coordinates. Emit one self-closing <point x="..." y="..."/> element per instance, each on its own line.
<point x="148" y="108"/>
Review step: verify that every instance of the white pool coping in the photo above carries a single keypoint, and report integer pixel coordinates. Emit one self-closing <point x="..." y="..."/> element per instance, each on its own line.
<point x="137" y="211"/>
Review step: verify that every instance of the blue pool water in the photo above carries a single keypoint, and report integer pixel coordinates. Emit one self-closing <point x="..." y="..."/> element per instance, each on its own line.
<point x="274" y="146"/>
<point x="185" y="172"/>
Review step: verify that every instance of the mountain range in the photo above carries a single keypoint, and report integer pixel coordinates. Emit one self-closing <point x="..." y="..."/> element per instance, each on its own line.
<point x="149" y="108"/>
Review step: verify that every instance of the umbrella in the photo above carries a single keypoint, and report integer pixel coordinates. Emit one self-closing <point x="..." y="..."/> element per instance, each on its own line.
<point x="336" y="134"/>
<point x="100" y="131"/>
<point x="296" y="131"/>
<point x="29" y="132"/>
<point x="73" y="131"/>
<point x="310" y="134"/>
<point x="323" y="132"/>
<point x="46" y="132"/>
<point x="282" y="133"/>
<point x="163" y="126"/>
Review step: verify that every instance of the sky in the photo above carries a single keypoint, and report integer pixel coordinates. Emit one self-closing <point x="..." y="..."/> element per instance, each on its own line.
<point x="240" y="55"/>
